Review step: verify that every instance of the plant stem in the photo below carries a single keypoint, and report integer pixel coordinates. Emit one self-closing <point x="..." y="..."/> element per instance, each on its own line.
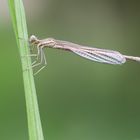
<point x="20" y="29"/>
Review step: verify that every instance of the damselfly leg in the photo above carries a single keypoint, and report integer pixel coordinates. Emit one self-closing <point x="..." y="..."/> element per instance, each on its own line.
<point x="41" y="58"/>
<point x="37" y="55"/>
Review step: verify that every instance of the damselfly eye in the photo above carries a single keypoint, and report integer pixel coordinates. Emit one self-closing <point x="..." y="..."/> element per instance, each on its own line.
<point x="33" y="39"/>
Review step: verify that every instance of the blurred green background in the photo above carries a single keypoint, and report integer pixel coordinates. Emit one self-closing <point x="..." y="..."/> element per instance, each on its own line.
<point x="78" y="99"/>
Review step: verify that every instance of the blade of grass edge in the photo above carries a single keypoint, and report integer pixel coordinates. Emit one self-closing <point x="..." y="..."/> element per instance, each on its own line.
<point x="20" y="29"/>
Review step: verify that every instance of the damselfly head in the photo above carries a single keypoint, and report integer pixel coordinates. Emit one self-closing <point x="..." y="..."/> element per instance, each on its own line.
<point x="33" y="39"/>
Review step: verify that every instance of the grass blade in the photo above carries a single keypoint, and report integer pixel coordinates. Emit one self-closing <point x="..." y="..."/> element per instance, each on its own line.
<point x="20" y="29"/>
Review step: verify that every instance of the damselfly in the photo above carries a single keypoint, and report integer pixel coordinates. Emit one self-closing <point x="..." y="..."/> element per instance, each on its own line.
<point x="95" y="54"/>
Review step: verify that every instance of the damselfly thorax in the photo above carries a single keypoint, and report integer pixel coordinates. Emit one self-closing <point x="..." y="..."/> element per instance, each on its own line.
<point x="95" y="54"/>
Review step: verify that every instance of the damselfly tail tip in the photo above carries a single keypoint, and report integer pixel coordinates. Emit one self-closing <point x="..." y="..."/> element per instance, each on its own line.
<point x="132" y="58"/>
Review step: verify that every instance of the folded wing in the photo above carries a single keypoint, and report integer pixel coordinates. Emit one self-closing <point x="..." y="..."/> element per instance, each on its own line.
<point x="95" y="54"/>
<point x="109" y="57"/>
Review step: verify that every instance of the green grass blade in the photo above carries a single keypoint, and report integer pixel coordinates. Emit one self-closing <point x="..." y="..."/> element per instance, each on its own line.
<point x="20" y="29"/>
